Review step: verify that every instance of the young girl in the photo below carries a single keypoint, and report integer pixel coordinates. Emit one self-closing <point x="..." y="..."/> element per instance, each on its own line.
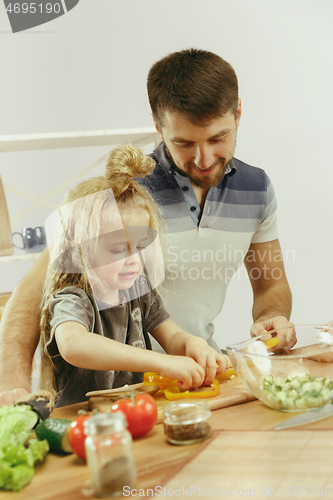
<point x="99" y="299"/>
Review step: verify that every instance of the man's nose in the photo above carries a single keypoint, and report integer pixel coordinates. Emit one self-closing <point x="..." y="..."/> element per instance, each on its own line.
<point x="204" y="158"/>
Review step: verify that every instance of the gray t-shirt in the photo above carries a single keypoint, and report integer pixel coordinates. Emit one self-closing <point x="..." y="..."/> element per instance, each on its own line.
<point x="128" y="323"/>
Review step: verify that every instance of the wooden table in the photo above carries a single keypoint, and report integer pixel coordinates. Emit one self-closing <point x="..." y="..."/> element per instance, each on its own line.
<point x="242" y="441"/>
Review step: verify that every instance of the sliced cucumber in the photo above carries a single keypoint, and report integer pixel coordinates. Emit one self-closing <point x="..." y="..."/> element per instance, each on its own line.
<point x="298" y="392"/>
<point x="55" y="431"/>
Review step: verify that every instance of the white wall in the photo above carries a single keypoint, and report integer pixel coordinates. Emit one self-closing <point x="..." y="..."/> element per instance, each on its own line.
<point x="87" y="70"/>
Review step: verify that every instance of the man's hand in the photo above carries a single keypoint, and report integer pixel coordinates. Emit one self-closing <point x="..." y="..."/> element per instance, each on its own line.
<point x="326" y="357"/>
<point x="198" y="349"/>
<point x="286" y="333"/>
<point x="10" y="397"/>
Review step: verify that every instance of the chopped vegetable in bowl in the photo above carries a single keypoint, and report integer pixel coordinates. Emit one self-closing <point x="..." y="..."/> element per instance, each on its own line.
<point x="297" y="393"/>
<point x="295" y="380"/>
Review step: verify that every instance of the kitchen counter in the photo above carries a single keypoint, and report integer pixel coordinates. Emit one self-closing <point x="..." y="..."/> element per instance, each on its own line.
<point x="242" y="440"/>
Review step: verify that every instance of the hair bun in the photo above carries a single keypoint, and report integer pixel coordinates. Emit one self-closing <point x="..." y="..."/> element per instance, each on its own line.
<point x="123" y="164"/>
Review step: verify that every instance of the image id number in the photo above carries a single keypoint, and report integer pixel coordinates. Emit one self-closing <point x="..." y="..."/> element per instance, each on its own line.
<point x="33" y="7"/>
<point x="304" y="491"/>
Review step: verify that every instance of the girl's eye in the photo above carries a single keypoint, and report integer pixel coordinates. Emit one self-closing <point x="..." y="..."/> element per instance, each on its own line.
<point x="143" y="244"/>
<point x="117" y="251"/>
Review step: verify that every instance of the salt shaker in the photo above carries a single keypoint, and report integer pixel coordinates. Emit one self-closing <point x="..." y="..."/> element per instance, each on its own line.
<point x="109" y="454"/>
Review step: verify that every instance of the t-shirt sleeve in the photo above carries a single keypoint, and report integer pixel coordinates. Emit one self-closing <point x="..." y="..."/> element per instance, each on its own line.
<point x="268" y="229"/>
<point x="70" y="304"/>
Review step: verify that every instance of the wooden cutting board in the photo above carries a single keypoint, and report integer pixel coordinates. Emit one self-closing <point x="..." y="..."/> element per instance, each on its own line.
<point x="6" y="248"/>
<point x="232" y="392"/>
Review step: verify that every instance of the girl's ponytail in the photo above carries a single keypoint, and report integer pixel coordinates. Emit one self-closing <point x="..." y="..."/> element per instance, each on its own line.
<point x="124" y="163"/>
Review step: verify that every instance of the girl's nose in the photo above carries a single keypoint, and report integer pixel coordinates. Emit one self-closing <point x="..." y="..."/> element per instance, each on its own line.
<point x="133" y="258"/>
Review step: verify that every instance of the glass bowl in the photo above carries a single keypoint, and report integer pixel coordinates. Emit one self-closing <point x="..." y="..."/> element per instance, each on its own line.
<point x="299" y="380"/>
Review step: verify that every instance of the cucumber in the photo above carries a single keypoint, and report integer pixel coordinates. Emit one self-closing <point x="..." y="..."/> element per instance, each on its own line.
<point x="295" y="384"/>
<point x="298" y="392"/>
<point x="55" y="431"/>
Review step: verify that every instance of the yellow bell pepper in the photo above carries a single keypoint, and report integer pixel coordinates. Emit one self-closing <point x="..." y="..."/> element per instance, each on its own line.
<point x="152" y="378"/>
<point x="271" y="342"/>
<point x="174" y="392"/>
<point x="231" y="371"/>
<point x="227" y="374"/>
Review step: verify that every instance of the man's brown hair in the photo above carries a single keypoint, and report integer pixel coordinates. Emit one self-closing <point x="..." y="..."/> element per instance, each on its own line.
<point x="196" y="83"/>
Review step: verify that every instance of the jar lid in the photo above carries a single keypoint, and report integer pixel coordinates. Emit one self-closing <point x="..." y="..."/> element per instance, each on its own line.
<point x="105" y="422"/>
<point x="186" y="412"/>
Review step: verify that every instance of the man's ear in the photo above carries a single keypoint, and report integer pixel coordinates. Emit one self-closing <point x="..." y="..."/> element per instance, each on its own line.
<point x="156" y="125"/>
<point x="239" y="112"/>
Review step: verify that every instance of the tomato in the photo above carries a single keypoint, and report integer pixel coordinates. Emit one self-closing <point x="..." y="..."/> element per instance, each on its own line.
<point x="77" y="436"/>
<point x="140" y="412"/>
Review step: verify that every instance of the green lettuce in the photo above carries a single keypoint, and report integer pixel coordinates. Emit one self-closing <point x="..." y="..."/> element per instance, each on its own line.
<point x="18" y="450"/>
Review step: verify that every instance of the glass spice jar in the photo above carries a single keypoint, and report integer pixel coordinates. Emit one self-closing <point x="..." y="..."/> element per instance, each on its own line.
<point x="109" y="454"/>
<point x="187" y="422"/>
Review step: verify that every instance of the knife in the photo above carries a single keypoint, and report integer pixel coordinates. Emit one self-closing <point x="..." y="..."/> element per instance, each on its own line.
<point x="39" y="406"/>
<point x="307" y="418"/>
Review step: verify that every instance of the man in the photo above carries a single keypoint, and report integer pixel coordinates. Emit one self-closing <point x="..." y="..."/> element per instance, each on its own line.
<point x="219" y="212"/>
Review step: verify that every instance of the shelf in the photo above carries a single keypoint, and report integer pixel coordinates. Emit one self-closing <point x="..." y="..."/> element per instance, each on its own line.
<point x="55" y="140"/>
<point x="19" y="258"/>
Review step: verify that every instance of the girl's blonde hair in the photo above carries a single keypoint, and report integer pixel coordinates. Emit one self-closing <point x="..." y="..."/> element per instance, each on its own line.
<point x="80" y="221"/>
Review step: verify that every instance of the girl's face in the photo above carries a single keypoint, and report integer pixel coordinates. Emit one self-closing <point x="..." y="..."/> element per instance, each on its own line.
<point x="119" y="258"/>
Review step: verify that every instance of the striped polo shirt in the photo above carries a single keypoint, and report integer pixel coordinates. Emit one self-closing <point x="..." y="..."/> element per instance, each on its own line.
<point x="204" y="248"/>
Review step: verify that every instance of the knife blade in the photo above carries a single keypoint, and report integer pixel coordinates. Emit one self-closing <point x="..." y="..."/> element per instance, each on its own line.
<point x="307" y="418"/>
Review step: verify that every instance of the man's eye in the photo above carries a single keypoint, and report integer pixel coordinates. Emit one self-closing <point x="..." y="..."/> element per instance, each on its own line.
<point x="183" y="144"/>
<point x="141" y="247"/>
<point x="215" y="141"/>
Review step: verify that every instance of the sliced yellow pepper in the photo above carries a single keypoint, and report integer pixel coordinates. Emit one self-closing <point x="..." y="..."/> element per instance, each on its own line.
<point x="227" y="374"/>
<point x="231" y="371"/>
<point x="174" y="392"/>
<point x="271" y="342"/>
<point x="152" y="378"/>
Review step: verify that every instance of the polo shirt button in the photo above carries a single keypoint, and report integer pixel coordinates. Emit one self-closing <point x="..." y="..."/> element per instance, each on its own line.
<point x="185" y="188"/>
<point x="193" y="209"/>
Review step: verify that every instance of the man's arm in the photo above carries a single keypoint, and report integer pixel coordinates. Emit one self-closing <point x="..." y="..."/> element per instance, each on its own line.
<point x="19" y="333"/>
<point x="271" y="292"/>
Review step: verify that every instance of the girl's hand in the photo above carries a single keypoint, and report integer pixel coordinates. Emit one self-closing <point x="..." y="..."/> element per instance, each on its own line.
<point x="190" y="375"/>
<point x="198" y="349"/>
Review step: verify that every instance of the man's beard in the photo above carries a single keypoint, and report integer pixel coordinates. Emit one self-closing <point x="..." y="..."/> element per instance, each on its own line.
<point x="220" y="164"/>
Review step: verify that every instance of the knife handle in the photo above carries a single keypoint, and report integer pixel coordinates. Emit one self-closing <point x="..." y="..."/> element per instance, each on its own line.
<point x="42" y="402"/>
<point x="39" y="406"/>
